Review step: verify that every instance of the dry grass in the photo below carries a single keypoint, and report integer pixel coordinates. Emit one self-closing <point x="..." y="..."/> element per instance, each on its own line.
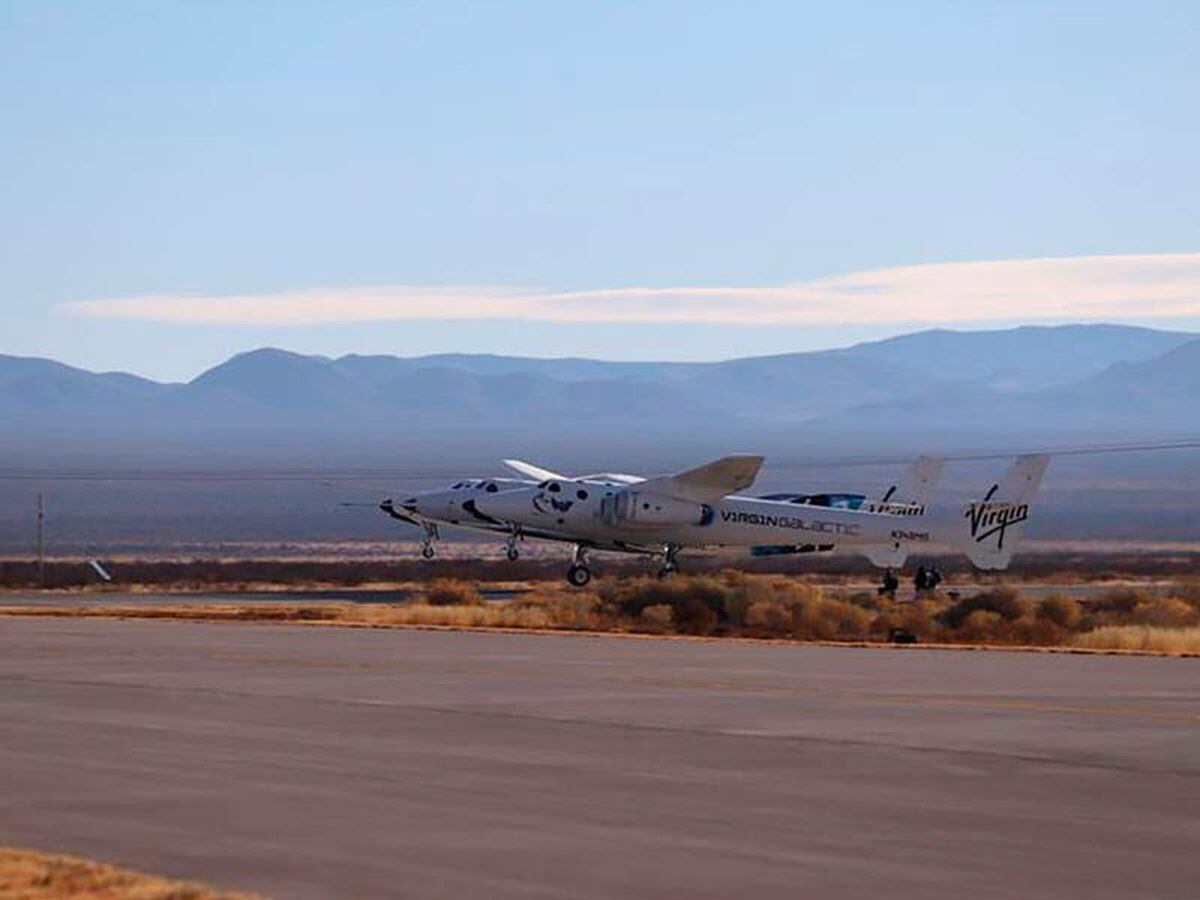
<point x="494" y="616"/>
<point x="449" y="592"/>
<point x="574" y="612"/>
<point x="1140" y="637"/>
<point x="26" y="875"/>
<point x="736" y="604"/>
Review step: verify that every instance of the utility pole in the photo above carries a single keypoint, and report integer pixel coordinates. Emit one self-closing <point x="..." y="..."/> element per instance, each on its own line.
<point x="41" y="540"/>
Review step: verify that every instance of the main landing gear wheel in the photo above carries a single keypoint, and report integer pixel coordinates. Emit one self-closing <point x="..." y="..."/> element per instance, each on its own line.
<point x="579" y="574"/>
<point x="512" y="553"/>
<point x="669" y="566"/>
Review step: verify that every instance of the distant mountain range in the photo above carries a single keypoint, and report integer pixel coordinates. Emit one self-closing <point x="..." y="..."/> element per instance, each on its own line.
<point x="1043" y="382"/>
<point x="131" y="460"/>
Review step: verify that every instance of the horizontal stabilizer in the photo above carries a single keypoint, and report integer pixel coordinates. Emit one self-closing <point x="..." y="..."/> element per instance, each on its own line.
<point x="710" y="482"/>
<point x="885" y="556"/>
<point x="529" y="470"/>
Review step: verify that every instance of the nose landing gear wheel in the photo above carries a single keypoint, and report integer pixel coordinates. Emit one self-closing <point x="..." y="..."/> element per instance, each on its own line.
<point x="427" y="552"/>
<point x="578" y="575"/>
<point x="510" y="545"/>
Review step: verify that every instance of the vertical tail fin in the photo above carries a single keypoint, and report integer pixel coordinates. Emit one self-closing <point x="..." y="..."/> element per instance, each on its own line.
<point x="992" y="526"/>
<point x="917" y="482"/>
<point x="908" y="496"/>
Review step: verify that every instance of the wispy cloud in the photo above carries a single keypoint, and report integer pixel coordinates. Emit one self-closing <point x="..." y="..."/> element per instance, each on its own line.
<point x="1074" y="288"/>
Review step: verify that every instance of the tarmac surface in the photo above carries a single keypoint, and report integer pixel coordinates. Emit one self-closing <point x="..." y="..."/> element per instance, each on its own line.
<point x="332" y="762"/>
<point x="197" y="598"/>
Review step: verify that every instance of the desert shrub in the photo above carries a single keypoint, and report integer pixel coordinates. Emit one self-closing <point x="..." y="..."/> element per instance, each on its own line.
<point x="981" y="625"/>
<point x="1061" y="611"/>
<point x="448" y="592"/>
<point x="630" y="597"/>
<point x="659" y="618"/>
<point x="576" y="610"/>
<point x="1188" y="592"/>
<point x="1140" y="637"/>
<point x="1038" y="631"/>
<point x="736" y="602"/>
<point x="883" y="624"/>
<point x="1004" y="602"/>
<point x="864" y="600"/>
<point x="1119" y="601"/>
<point x="692" y="614"/>
<point x="1165" y="612"/>
<point x="703" y="602"/>
<point x="769" y="615"/>
<point x="911" y="617"/>
<point x="807" y="614"/>
<point x="830" y="619"/>
<point x="1140" y="606"/>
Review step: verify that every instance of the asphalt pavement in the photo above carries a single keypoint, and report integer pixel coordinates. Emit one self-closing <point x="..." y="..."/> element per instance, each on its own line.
<point x="330" y="762"/>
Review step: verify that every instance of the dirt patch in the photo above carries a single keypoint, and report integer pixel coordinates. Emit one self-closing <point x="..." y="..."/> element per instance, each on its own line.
<point x="28" y="875"/>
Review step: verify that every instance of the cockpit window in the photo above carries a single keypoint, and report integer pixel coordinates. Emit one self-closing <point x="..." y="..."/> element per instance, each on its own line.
<point x="554" y="487"/>
<point x="491" y="488"/>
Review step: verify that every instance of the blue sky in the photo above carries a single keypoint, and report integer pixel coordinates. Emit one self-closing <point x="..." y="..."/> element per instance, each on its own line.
<point x="182" y="161"/>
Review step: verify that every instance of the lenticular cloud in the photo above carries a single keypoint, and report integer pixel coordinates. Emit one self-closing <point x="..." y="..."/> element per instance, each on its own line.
<point x="1078" y="288"/>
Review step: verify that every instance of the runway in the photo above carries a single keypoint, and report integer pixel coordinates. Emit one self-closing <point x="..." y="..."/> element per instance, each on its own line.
<point x="307" y="762"/>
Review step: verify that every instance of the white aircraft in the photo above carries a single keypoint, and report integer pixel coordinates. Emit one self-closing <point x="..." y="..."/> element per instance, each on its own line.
<point x="456" y="505"/>
<point x="701" y="508"/>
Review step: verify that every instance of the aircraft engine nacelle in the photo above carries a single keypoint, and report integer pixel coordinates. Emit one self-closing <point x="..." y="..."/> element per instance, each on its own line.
<point x="633" y="508"/>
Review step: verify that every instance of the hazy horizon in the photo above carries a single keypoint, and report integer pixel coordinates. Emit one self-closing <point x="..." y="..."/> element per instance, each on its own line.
<point x="565" y="357"/>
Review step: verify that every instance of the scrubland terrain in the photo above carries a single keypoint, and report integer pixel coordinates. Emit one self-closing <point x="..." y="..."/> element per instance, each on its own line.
<point x="337" y="567"/>
<point x="1162" y="617"/>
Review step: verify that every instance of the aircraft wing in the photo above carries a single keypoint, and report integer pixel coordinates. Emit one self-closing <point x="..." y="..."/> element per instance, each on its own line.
<point x="529" y="470"/>
<point x="710" y="482"/>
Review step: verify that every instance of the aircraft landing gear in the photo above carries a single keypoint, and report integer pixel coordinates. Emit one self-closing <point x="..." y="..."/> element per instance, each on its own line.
<point x="431" y="535"/>
<point x="670" y="565"/>
<point x="889" y="585"/>
<point x="579" y="574"/>
<point x="510" y="546"/>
